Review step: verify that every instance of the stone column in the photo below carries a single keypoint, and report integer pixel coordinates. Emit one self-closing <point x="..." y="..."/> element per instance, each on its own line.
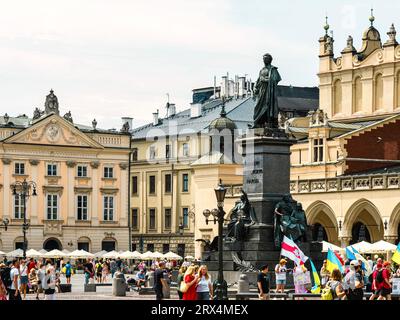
<point x="344" y="241"/>
<point x="94" y="212"/>
<point x="71" y="193"/>
<point x="34" y="200"/>
<point x="6" y="191"/>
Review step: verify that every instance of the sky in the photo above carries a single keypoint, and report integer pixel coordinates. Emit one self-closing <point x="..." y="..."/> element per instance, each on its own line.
<point x="112" y="59"/>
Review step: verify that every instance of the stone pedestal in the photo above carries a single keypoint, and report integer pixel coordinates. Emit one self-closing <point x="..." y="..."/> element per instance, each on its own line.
<point x="266" y="180"/>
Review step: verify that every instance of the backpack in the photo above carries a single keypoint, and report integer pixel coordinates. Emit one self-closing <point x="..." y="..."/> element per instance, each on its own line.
<point x="5" y="274"/>
<point x="326" y="293"/>
<point x="379" y="276"/>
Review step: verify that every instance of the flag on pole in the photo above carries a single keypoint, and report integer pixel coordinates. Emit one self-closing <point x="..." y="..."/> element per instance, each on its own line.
<point x="350" y="253"/>
<point x="290" y="250"/>
<point x="317" y="283"/>
<point x="332" y="262"/>
<point x="365" y="265"/>
<point x="396" y="255"/>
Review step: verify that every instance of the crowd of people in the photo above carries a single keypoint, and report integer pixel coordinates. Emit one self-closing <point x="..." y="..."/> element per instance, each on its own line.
<point x="351" y="284"/>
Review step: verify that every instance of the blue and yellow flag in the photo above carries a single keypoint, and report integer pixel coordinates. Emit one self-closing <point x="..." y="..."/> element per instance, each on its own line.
<point x="332" y="262"/>
<point x="317" y="283"/>
<point x="396" y="255"/>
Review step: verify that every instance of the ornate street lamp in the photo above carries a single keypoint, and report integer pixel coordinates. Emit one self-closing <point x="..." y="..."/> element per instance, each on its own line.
<point x="220" y="285"/>
<point x="24" y="194"/>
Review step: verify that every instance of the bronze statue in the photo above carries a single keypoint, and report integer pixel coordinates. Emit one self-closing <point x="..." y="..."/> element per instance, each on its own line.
<point x="37" y="113"/>
<point x="68" y="117"/>
<point x="290" y="221"/>
<point x="51" y="104"/>
<point x="266" y="110"/>
<point x="125" y="127"/>
<point x="242" y="217"/>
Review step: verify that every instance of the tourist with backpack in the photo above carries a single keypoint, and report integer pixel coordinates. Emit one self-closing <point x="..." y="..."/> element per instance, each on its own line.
<point x="386" y="288"/>
<point x="377" y="280"/>
<point x="353" y="283"/>
<point x="333" y="289"/>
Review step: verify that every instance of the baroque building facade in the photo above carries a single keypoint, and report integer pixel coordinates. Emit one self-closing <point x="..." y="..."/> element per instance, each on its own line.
<point x="81" y="173"/>
<point x="345" y="166"/>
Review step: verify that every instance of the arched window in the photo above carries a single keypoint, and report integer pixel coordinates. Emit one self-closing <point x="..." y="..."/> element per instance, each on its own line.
<point x="337" y="97"/>
<point x="319" y="233"/>
<point x="358" y="103"/>
<point x="360" y="233"/>
<point x="378" y="92"/>
<point x="398" y="235"/>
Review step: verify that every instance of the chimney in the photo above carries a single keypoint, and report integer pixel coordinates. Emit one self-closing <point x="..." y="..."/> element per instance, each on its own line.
<point x="195" y="110"/>
<point x="172" y="110"/>
<point x="242" y="89"/>
<point x="155" y="118"/>
<point x="129" y="120"/>
<point x="224" y="86"/>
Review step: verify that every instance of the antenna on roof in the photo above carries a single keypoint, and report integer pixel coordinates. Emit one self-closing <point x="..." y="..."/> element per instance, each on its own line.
<point x="167" y="105"/>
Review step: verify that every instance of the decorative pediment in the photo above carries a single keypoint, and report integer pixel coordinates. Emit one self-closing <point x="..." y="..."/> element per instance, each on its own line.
<point x="54" y="130"/>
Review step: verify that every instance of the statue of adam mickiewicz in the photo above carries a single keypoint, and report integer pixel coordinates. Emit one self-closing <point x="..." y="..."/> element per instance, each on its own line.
<point x="266" y="110"/>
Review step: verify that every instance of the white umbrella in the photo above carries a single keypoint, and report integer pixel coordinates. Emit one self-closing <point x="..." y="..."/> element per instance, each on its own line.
<point x="157" y="255"/>
<point x="66" y="252"/>
<point x="327" y="245"/>
<point x="136" y="255"/>
<point x="18" y="253"/>
<point x="32" y="253"/>
<point x="362" y="246"/>
<point x="54" y="254"/>
<point x="148" y="255"/>
<point x="382" y="246"/>
<point x="43" y="251"/>
<point x="172" y="256"/>
<point x="112" y="255"/>
<point x="81" y="254"/>
<point x="2" y="253"/>
<point x="100" y="254"/>
<point x="127" y="255"/>
<point x="189" y="257"/>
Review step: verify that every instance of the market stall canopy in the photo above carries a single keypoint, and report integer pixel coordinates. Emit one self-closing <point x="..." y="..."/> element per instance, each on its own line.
<point x="43" y="251"/>
<point x="32" y="253"/>
<point x="111" y="255"/>
<point x="362" y="247"/>
<point x="158" y="255"/>
<point x="189" y="258"/>
<point x="81" y="254"/>
<point x="18" y="253"/>
<point x="382" y="246"/>
<point x="130" y="255"/>
<point x="100" y="254"/>
<point x="148" y="255"/>
<point x="137" y="254"/>
<point x="2" y="253"/>
<point x="66" y="251"/>
<point x="172" y="256"/>
<point x="327" y="245"/>
<point x="54" y="254"/>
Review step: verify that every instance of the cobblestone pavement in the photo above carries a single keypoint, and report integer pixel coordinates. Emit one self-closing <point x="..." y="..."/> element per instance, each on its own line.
<point x="103" y="293"/>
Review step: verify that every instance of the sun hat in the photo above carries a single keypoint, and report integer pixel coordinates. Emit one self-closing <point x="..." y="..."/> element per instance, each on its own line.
<point x="386" y="263"/>
<point x="282" y="261"/>
<point x="354" y="263"/>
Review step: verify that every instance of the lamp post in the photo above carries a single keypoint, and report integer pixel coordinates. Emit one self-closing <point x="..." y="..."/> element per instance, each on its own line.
<point x="220" y="285"/>
<point x="24" y="194"/>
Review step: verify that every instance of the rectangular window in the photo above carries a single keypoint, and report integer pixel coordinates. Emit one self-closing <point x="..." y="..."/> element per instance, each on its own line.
<point x="108" y="210"/>
<point x="168" y="183"/>
<point x="134" y="185"/>
<point x="135" y="219"/>
<point x="19" y="168"/>
<point x="82" y="207"/>
<point x="52" y="207"/>
<point x="108" y="172"/>
<point x="18" y="207"/>
<point x="134" y="247"/>
<point x="167" y="151"/>
<point x="185" y="182"/>
<point x="181" y="249"/>
<point x="152" y="219"/>
<point x="165" y="248"/>
<point x="150" y="247"/>
<point x="152" y="153"/>
<point x="135" y="154"/>
<point x="152" y="184"/>
<point x="318" y="150"/>
<point x="167" y="219"/>
<point x="52" y="170"/>
<point x="185" y="149"/>
<point x="82" y="171"/>
<point x="185" y="212"/>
